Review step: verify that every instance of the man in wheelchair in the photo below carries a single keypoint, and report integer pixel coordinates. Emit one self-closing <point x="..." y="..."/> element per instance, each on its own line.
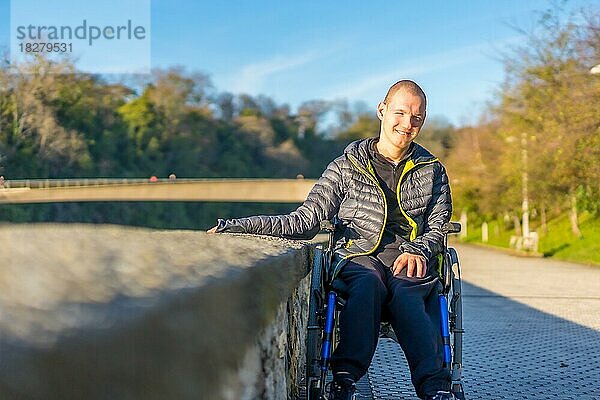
<point x="392" y="199"/>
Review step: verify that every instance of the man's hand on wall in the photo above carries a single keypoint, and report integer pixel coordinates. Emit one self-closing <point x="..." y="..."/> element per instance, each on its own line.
<point x="212" y="230"/>
<point x="416" y="265"/>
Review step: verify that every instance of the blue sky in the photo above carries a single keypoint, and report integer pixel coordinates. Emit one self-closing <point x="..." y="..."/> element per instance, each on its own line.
<point x="304" y="50"/>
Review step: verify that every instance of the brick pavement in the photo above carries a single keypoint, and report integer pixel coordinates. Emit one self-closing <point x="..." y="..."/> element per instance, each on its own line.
<point x="532" y="332"/>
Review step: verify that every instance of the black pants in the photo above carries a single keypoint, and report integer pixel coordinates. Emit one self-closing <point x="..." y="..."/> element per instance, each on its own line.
<point x="410" y="304"/>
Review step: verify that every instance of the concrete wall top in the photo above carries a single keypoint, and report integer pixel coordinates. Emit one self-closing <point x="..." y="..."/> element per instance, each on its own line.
<point x="134" y="306"/>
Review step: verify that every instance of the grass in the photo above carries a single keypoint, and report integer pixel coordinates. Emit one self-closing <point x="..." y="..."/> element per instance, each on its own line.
<point x="559" y="242"/>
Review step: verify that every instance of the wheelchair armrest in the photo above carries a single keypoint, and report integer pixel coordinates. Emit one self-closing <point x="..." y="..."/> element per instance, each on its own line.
<point x="452" y="227"/>
<point x="450" y="259"/>
<point x="453" y="255"/>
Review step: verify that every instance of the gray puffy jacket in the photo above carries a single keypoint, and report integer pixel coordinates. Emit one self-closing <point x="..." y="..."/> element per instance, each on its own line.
<point x="349" y="189"/>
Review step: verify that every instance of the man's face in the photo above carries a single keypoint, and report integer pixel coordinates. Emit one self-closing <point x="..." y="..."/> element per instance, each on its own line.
<point x="401" y="119"/>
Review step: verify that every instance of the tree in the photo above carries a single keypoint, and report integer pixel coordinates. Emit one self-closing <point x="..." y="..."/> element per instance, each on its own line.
<point x="366" y="125"/>
<point x="29" y="97"/>
<point x="550" y="98"/>
<point x="309" y="116"/>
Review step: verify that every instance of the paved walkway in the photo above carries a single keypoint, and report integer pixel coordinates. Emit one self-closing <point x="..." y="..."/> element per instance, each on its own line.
<point x="532" y="332"/>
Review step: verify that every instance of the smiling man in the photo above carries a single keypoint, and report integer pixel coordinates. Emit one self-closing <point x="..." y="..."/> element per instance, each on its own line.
<point x="391" y="198"/>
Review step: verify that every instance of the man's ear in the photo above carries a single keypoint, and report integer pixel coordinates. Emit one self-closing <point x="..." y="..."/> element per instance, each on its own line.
<point x="380" y="108"/>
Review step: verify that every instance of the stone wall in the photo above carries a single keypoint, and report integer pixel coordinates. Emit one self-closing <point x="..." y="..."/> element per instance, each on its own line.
<point x="107" y="312"/>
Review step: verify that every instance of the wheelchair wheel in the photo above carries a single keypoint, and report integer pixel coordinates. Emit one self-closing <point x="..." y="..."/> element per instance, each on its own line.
<point x="314" y="386"/>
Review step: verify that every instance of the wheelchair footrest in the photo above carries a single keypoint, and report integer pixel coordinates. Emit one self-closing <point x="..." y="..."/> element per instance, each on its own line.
<point x="458" y="391"/>
<point x="459" y="395"/>
<point x="386" y="331"/>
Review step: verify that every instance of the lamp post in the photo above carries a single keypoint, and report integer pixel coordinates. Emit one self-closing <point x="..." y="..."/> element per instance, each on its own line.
<point x="528" y="238"/>
<point x="525" y="193"/>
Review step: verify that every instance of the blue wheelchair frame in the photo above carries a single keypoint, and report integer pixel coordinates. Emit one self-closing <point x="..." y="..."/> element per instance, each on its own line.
<point x="323" y="312"/>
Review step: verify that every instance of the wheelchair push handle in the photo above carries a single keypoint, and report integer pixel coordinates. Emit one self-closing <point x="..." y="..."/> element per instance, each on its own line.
<point x="452" y="227"/>
<point x="328" y="226"/>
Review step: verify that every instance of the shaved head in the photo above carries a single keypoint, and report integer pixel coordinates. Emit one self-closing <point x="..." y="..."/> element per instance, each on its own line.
<point x="408" y="86"/>
<point x="402" y="114"/>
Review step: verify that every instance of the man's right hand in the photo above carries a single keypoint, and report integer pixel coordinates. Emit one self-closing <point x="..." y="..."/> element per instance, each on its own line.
<point x="416" y="265"/>
<point x="212" y="230"/>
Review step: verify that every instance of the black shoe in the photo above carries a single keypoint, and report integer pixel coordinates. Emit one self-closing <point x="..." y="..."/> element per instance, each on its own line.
<point x="342" y="387"/>
<point x="441" y="395"/>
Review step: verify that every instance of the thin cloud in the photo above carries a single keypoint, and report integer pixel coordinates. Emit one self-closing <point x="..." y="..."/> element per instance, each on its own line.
<point x="424" y="65"/>
<point x="252" y="78"/>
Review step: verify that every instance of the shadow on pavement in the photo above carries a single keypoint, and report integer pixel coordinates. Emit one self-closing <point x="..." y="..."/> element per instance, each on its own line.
<point x="512" y="350"/>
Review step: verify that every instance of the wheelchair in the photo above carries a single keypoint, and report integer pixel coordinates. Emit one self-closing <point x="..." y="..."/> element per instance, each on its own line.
<point x="326" y="300"/>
